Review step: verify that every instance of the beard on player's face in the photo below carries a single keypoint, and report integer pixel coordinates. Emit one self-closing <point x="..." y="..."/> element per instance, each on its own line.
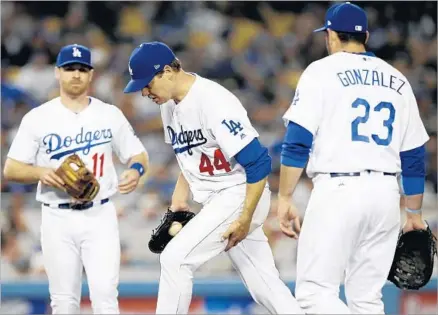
<point x="74" y="89"/>
<point x="75" y="80"/>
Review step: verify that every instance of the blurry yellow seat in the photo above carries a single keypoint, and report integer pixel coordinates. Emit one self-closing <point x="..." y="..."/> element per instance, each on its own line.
<point x="132" y="22"/>
<point x="244" y="31"/>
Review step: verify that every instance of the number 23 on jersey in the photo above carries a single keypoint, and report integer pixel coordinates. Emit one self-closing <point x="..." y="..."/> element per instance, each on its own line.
<point x="387" y="123"/>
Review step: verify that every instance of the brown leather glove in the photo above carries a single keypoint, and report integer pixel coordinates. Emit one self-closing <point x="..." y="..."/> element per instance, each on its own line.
<point x="80" y="183"/>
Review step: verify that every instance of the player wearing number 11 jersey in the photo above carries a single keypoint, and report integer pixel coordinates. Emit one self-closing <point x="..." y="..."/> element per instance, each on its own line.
<point x="355" y="122"/>
<point x="77" y="236"/>
<point x="225" y="167"/>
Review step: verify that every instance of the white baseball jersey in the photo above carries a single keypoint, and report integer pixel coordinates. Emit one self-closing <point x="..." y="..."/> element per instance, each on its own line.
<point x="361" y="111"/>
<point x="51" y="132"/>
<point x="206" y="129"/>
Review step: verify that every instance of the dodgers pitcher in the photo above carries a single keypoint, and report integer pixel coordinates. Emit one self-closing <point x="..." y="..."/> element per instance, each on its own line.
<point x="225" y="167"/>
<point x="357" y="118"/>
<point x="77" y="235"/>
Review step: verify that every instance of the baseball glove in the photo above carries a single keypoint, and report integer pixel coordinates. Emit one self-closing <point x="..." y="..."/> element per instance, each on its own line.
<point x="413" y="260"/>
<point x="79" y="182"/>
<point x="160" y="236"/>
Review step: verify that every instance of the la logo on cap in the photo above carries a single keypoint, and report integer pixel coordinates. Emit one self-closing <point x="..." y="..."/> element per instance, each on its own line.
<point x="358" y="28"/>
<point x="130" y="69"/>
<point x="77" y="52"/>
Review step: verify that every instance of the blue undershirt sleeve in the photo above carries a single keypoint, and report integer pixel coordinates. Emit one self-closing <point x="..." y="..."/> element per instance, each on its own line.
<point x="256" y="161"/>
<point x="413" y="165"/>
<point x="296" y="146"/>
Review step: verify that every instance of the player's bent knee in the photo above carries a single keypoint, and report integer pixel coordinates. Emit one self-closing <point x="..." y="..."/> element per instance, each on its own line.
<point x="173" y="263"/>
<point x="169" y="259"/>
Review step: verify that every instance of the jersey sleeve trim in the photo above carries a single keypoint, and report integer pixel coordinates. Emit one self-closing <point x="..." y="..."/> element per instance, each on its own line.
<point x="413" y="165"/>
<point x="296" y="146"/>
<point x="413" y="162"/>
<point x="413" y="185"/>
<point x="255" y="160"/>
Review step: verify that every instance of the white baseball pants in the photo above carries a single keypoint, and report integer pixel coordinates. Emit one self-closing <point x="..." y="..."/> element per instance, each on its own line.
<point x="72" y="240"/>
<point x="200" y="240"/>
<point x="349" y="234"/>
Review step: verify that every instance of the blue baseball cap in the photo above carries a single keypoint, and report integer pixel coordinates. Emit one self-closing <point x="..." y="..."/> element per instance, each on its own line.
<point x="74" y="54"/>
<point x="145" y="62"/>
<point x="345" y="17"/>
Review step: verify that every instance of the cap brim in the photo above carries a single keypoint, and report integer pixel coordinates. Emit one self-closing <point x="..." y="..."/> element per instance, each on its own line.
<point x="74" y="62"/>
<point x="137" y="85"/>
<point x="324" y="28"/>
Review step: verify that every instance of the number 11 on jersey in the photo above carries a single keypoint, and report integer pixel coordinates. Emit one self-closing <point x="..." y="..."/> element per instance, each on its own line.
<point x="98" y="160"/>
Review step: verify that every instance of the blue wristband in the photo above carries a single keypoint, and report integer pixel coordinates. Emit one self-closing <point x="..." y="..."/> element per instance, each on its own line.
<point x="413" y="211"/>
<point x="137" y="166"/>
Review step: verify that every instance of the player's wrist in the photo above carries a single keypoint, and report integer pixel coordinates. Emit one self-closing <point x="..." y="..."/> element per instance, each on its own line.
<point x="283" y="196"/>
<point x="139" y="168"/>
<point x="412" y="214"/>
<point x="179" y="206"/>
<point x="413" y="211"/>
<point x="245" y="216"/>
<point x="41" y="172"/>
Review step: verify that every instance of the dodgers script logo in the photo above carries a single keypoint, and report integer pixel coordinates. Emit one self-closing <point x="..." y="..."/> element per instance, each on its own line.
<point x="83" y="141"/>
<point x="188" y="139"/>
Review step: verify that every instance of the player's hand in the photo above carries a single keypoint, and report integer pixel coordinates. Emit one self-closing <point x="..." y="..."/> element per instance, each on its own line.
<point x="128" y="181"/>
<point x="288" y="217"/>
<point x="414" y="222"/>
<point x="237" y="232"/>
<point x="48" y="177"/>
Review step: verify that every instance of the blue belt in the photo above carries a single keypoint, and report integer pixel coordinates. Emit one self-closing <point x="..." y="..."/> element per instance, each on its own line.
<point x="77" y="206"/>
<point x="358" y="174"/>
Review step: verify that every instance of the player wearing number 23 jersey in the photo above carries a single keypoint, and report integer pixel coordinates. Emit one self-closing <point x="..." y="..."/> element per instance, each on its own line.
<point x="75" y="235"/>
<point x="225" y="167"/>
<point x="354" y="120"/>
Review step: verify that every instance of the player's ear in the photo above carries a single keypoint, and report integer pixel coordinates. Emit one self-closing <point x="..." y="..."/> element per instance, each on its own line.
<point x="91" y="75"/>
<point x="167" y="72"/>
<point x="368" y="36"/>
<point x="57" y="73"/>
<point x="167" y="69"/>
<point x="330" y="35"/>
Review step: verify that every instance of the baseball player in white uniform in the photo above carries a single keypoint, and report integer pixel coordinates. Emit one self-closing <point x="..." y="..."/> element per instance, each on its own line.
<point x="354" y="120"/>
<point x="77" y="235"/>
<point x="225" y="167"/>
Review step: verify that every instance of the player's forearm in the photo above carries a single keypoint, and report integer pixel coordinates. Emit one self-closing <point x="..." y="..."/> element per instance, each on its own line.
<point x="414" y="202"/>
<point x="254" y="192"/>
<point x="294" y="156"/>
<point x="181" y="193"/>
<point x="142" y="159"/>
<point x="20" y="172"/>
<point x="258" y="165"/>
<point x="289" y="177"/>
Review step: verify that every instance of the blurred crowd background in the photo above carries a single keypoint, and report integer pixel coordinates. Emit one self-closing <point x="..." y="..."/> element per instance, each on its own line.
<point x="258" y="50"/>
